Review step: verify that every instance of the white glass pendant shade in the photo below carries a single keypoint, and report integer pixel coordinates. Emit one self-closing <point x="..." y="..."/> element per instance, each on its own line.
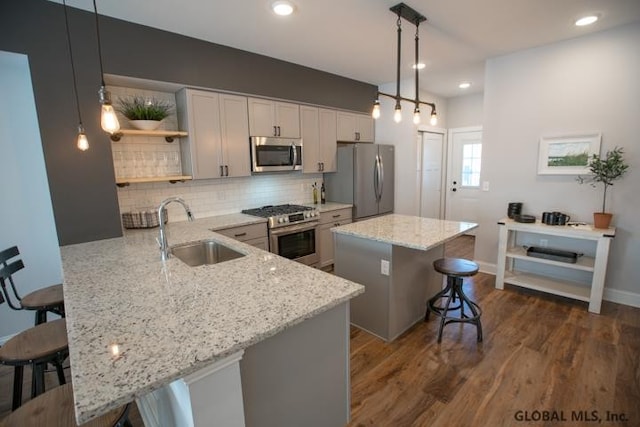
<point x="108" y="119"/>
<point x="434" y="119"/>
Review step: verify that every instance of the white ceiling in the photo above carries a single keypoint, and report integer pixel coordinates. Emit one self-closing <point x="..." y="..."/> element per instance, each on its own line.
<point x="357" y="38"/>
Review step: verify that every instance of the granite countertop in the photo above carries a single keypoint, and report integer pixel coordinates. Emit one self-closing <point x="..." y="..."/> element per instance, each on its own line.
<point x="407" y="231"/>
<point x="168" y="319"/>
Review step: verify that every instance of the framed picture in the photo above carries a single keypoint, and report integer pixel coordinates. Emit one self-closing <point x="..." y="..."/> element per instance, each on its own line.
<point x="567" y="155"/>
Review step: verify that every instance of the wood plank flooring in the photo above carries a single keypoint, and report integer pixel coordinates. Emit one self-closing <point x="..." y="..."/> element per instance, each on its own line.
<point x="541" y="354"/>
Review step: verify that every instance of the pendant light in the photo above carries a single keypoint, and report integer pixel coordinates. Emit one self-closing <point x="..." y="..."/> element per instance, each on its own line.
<point x="81" y="142"/>
<point x="108" y="119"/>
<point x="406" y="12"/>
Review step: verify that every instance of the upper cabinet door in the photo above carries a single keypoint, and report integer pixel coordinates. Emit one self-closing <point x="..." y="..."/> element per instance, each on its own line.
<point x="310" y="132"/>
<point x="287" y="119"/>
<point x="328" y="139"/>
<point x="364" y="127"/>
<point x="234" y="128"/>
<point x="201" y="150"/>
<point x="273" y="118"/>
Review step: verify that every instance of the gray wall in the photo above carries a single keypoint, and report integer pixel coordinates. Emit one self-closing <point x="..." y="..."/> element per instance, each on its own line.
<point x="580" y="85"/>
<point x="82" y="183"/>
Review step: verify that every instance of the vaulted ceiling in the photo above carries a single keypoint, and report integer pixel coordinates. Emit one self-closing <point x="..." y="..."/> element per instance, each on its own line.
<point x="357" y="38"/>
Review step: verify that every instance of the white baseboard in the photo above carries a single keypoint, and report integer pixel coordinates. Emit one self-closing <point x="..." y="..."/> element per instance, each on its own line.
<point x="631" y="299"/>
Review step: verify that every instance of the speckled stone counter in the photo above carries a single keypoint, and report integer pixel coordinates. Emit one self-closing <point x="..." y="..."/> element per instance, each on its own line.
<point x="392" y="256"/>
<point x="407" y="231"/>
<point x="168" y="319"/>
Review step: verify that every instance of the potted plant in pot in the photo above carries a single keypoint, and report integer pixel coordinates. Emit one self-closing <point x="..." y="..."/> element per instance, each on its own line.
<point x="604" y="171"/>
<point x="144" y="113"/>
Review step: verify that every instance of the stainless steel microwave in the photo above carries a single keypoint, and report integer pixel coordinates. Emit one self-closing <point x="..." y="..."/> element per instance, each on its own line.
<point x="275" y="154"/>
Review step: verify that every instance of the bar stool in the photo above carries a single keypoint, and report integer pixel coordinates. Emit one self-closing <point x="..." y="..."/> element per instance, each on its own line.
<point x="455" y="269"/>
<point x="37" y="346"/>
<point x="55" y="409"/>
<point x="49" y="299"/>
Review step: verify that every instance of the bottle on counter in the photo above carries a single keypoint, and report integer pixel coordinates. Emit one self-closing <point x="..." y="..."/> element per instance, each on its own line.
<point x="323" y="199"/>
<point x="315" y="193"/>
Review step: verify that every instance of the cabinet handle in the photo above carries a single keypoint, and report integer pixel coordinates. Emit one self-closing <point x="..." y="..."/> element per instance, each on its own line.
<point x="278" y="130"/>
<point x="221" y="170"/>
<point x="240" y="234"/>
<point x="226" y="170"/>
<point x="322" y="163"/>
<point x="337" y="216"/>
<point x="275" y="131"/>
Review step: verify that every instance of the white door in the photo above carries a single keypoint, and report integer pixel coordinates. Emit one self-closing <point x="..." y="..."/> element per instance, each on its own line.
<point x="463" y="174"/>
<point x="431" y="175"/>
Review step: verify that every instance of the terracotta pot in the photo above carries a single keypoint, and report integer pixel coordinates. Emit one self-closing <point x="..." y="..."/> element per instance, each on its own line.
<point x="601" y="220"/>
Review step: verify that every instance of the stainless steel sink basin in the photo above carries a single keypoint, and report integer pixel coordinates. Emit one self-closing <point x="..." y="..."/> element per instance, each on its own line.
<point x="204" y="252"/>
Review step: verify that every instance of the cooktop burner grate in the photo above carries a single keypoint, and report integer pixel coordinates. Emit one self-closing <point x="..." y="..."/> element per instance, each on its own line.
<point x="269" y="211"/>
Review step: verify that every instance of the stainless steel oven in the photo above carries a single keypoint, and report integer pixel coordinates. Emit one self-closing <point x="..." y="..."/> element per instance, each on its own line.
<point x="297" y="242"/>
<point x="292" y="231"/>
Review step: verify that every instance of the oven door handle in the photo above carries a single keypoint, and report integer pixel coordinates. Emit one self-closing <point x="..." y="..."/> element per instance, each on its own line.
<point x="294" y="228"/>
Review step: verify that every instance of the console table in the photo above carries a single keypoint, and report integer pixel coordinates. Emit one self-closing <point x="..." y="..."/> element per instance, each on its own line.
<point x="596" y="264"/>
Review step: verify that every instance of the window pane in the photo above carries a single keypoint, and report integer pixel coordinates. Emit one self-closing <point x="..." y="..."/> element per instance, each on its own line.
<point x="471" y="165"/>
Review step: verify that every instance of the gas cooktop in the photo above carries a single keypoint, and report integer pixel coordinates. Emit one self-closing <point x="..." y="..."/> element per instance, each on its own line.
<point x="281" y="215"/>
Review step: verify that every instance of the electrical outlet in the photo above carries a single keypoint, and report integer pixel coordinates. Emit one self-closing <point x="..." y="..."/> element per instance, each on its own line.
<point x="384" y="267"/>
<point x="485" y="185"/>
<point x="544" y="243"/>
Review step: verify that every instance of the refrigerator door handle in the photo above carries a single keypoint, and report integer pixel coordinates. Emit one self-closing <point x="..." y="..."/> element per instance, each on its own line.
<point x="376" y="177"/>
<point x="381" y="172"/>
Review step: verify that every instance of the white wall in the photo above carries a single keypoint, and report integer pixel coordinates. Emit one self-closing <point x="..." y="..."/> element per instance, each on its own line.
<point x="465" y="111"/>
<point x="26" y="217"/>
<point x="404" y="136"/>
<point x="580" y="85"/>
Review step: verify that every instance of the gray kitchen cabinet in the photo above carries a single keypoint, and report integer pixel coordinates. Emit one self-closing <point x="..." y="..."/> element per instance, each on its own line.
<point x="354" y="127"/>
<point x="217" y="144"/>
<point x="273" y="118"/>
<point x="329" y="220"/>
<point x="253" y="234"/>
<point x="319" y="139"/>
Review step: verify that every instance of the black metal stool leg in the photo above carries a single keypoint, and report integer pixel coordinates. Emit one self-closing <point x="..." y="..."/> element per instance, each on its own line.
<point x="60" y="371"/>
<point x="18" y="375"/>
<point x="444" y="316"/>
<point x="41" y="316"/>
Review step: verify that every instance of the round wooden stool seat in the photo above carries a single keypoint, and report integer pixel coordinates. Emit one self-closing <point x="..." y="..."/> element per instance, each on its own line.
<point x="44" y="299"/>
<point x="37" y="346"/>
<point x="55" y="409"/>
<point x="455" y="267"/>
<point x="449" y="301"/>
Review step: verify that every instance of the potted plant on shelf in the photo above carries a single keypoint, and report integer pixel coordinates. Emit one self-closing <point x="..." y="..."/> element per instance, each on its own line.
<point x="604" y="171"/>
<point x="144" y="113"/>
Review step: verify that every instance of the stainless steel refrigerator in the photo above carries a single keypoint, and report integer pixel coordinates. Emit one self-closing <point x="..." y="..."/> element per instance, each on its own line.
<point x="364" y="178"/>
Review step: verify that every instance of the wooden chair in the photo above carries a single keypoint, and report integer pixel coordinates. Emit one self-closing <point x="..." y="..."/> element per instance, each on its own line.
<point x="49" y="299"/>
<point x="55" y="409"/>
<point x="37" y="346"/>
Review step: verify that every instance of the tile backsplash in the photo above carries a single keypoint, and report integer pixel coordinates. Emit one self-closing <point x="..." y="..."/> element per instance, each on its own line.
<point x="221" y="196"/>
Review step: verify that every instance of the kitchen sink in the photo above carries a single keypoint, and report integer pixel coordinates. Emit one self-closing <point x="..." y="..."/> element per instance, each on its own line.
<point x="204" y="252"/>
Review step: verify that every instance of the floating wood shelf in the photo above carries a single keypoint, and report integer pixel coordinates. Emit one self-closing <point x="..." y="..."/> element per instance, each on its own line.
<point x="123" y="182"/>
<point x="168" y="135"/>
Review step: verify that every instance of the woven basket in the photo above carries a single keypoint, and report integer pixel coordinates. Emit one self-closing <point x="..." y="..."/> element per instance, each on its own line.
<point x="143" y="218"/>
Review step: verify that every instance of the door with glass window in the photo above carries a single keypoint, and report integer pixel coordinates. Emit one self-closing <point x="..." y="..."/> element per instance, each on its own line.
<point x="463" y="174"/>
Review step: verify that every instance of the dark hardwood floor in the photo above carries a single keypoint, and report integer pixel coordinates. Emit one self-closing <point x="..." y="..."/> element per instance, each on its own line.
<point x="542" y="356"/>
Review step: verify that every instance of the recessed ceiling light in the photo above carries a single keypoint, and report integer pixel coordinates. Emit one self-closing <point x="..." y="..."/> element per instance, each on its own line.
<point x="464" y="85"/>
<point x="282" y="8"/>
<point x="586" y="20"/>
<point x="420" y="66"/>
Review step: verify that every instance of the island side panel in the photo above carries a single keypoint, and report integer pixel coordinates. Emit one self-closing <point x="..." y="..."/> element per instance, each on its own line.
<point x="300" y="377"/>
<point x="359" y="260"/>
<point x="414" y="280"/>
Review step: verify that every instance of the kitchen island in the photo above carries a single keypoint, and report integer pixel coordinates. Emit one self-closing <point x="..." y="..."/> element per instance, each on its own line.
<point x="392" y="256"/>
<point x="141" y="327"/>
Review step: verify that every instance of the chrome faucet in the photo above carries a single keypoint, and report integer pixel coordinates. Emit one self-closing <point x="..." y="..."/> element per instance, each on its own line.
<point x="162" y="241"/>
